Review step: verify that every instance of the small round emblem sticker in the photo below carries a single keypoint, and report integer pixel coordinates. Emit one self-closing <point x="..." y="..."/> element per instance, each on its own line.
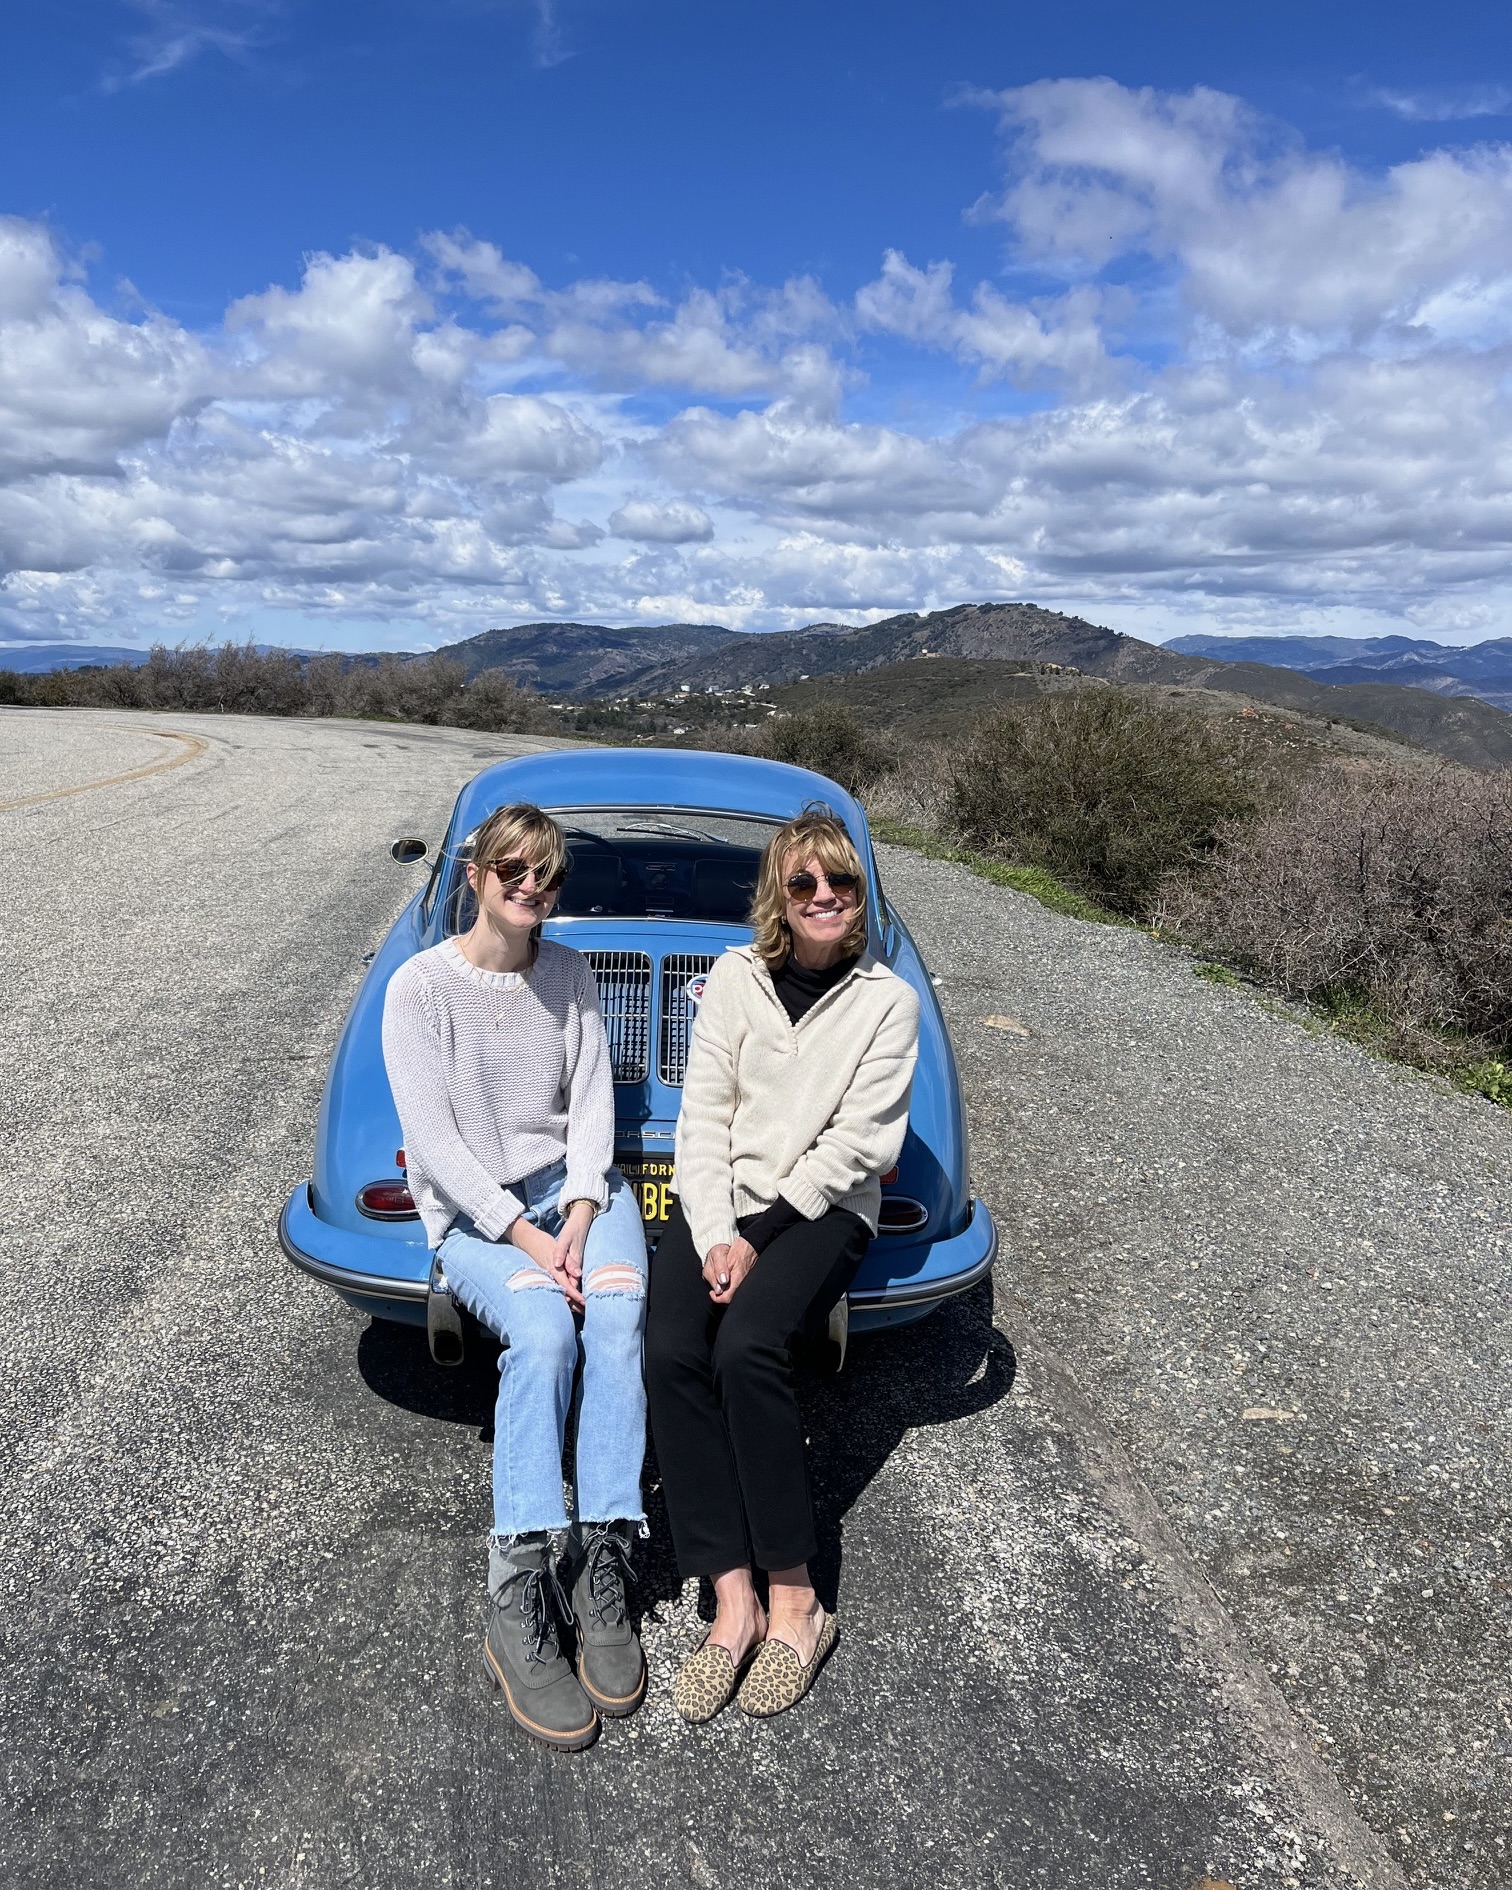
<point x="695" y="988"/>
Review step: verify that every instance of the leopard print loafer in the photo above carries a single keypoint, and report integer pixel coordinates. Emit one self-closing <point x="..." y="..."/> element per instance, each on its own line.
<point x="779" y="1679"/>
<point x="707" y="1682"/>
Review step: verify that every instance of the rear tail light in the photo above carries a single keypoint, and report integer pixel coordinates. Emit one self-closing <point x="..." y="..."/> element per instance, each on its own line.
<point x="387" y="1201"/>
<point x="901" y="1214"/>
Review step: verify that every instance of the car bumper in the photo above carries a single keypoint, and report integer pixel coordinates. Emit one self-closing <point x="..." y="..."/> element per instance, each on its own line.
<point x="922" y="1276"/>
<point x="389" y="1278"/>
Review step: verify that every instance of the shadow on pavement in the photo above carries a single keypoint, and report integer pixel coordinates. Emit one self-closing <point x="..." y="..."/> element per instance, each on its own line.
<point x="396" y="1365"/>
<point x="949" y="1366"/>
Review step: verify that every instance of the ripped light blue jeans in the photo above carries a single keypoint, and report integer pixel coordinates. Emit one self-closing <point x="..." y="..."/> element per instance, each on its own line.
<point x="515" y="1298"/>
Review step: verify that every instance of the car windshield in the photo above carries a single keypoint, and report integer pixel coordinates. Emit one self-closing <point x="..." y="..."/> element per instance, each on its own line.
<point x="644" y="863"/>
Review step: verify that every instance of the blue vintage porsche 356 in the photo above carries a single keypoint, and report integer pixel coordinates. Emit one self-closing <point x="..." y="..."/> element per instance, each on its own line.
<point x="664" y="846"/>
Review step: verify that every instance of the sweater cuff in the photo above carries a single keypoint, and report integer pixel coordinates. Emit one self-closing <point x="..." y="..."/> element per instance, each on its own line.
<point x="710" y="1233"/>
<point x="501" y="1215"/>
<point x="810" y="1203"/>
<point x="592" y="1187"/>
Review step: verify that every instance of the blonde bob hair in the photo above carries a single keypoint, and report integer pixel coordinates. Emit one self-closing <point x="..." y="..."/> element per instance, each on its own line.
<point x="520" y="832"/>
<point x="816" y="834"/>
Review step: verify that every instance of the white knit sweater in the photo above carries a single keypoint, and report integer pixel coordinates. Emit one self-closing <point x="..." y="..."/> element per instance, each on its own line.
<point x="813" y="1111"/>
<point x="496" y="1075"/>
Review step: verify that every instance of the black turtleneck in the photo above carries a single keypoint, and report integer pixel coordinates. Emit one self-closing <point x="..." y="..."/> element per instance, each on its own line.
<point x="801" y="989"/>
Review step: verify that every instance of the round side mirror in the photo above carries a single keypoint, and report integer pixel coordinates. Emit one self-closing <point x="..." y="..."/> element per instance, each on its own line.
<point x="406" y="852"/>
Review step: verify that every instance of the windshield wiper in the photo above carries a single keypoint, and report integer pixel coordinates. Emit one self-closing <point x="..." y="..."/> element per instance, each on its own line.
<point x="673" y="833"/>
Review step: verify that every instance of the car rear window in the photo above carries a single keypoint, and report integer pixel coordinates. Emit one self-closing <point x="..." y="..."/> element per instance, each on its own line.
<point x="629" y="863"/>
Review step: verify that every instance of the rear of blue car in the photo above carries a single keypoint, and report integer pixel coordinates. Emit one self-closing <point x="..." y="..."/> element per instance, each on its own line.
<point x="658" y="890"/>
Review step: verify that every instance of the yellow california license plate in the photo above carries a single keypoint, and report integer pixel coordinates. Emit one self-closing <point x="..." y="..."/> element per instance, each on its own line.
<point x="651" y="1183"/>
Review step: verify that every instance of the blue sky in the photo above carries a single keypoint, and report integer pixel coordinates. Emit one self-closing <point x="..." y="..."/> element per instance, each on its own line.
<point x="378" y="324"/>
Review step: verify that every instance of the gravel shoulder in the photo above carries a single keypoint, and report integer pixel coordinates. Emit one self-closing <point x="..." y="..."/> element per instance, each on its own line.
<point x="1280" y="1269"/>
<point x="241" y="1581"/>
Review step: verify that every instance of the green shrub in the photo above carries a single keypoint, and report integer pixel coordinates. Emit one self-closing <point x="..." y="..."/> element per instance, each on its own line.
<point x="1108" y="792"/>
<point x="830" y="740"/>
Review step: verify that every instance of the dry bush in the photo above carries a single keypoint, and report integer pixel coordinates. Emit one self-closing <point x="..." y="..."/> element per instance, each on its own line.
<point x="241" y="679"/>
<point x="1109" y="792"/>
<point x="915" y="790"/>
<point x="494" y="701"/>
<point x="395" y="690"/>
<point x="1385" y="887"/>
<point x="830" y="740"/>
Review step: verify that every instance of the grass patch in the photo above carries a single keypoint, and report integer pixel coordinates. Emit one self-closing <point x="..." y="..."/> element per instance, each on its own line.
<point x="1037" y="881"/>
<point x="1459" y="1060"/>
<point x="1349" y="1014"/>
<point x="1492" y="1080"/>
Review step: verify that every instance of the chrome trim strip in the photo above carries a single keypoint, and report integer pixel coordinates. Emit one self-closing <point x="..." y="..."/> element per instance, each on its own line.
<point x="929" y="1292"/>
<point x="639" y="918"/>
<point x="370" y="1285"/>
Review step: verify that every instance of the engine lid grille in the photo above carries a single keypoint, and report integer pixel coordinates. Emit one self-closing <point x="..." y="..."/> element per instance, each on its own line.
<point x="624" y="991"/>
<point x="680" y="990"/>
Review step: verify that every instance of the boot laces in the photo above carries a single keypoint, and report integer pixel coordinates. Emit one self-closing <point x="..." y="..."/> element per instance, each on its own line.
<point x="608" y="1558"/>
<point x="543" y="1603"/>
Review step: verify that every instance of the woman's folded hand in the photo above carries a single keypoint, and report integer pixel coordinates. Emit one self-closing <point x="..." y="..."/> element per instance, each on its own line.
<point x="726" y="1266"/>
<point x="567" y="1250"/>
<point x="551" y="1256"/>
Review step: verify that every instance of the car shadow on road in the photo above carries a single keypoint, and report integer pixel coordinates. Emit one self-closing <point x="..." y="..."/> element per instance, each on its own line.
<point x="946" y="1368"/>
<point x="396" y="1365"/>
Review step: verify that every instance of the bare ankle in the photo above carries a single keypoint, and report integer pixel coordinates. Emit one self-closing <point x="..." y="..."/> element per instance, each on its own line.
<point x="739" y="1619"/>
<point x="792" y="1596"/>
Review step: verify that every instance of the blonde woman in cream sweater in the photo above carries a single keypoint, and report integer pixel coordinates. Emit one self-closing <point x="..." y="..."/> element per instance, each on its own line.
<point x="795" y="1101"/>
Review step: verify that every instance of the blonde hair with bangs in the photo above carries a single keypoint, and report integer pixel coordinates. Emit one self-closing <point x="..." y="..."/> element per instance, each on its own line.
<point x="816" y="834"/>
<point x="520" y="832"/>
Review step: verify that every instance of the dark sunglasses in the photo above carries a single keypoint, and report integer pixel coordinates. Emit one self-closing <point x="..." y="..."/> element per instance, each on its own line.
<point x="512" y="872"/>
<point x="804" y="885"/>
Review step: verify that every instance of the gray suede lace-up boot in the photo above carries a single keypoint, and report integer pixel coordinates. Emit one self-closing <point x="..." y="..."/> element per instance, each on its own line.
<point x="610" y="1663"/>
<point x="523" y="1651"/>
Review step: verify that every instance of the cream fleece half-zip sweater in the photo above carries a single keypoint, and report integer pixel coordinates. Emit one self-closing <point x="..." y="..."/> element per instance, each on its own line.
<point x="813" y="1111"/>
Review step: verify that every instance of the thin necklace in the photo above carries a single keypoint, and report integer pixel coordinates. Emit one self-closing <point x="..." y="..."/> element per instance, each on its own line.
<point x="510" y="991"/>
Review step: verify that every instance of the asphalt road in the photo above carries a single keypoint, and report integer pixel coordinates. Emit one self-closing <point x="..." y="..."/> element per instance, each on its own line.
<point x="1282" y="1270"/>
<point x="243" y="1529"/>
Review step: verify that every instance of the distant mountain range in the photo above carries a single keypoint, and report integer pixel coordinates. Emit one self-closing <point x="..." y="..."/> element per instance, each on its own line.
<point x="1454" y="701"/>
<point x="1483" y="670"/>
<point x="587" y="660"/>
<point x="36" y="659"/>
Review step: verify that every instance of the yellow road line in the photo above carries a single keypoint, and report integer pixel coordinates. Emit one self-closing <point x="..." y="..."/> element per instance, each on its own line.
<point x="193" y="745"/>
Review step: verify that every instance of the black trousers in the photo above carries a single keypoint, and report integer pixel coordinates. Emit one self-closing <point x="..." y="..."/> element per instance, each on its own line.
<point x="728" y="1433"/>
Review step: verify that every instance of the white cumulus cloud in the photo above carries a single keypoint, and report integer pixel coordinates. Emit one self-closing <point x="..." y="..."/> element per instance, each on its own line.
<point x="1220" y="375"/>
<point x="674" y="522"/>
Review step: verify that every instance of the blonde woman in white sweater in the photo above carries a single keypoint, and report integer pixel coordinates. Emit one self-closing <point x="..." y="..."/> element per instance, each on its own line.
<point x="795" y="1101"/>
